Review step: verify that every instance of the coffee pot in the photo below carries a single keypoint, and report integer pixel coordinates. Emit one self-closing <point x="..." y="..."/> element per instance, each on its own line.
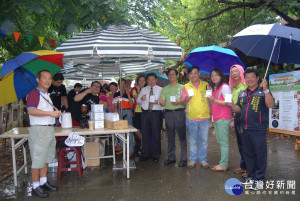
<point x="66" y="120"/>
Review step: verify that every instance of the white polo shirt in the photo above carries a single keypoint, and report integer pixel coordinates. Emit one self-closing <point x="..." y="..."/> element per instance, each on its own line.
<point x="35" y="100"/>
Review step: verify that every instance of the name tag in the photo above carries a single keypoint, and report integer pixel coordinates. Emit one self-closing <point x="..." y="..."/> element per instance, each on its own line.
<point x="191" y="92"/>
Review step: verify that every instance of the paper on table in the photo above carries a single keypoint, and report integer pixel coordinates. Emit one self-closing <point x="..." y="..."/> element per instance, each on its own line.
<point x="228" y="98"/>
<point x="191" y="92"/>
<point x="172" y="98"/>
<point x="208" y="93"/>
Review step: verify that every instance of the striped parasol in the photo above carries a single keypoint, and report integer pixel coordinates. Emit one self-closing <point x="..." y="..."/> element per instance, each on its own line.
<point x="119" y="42"/>
<point x="137" y="49"/>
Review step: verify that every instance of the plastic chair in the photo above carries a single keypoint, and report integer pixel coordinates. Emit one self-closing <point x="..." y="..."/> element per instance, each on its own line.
<point x="64" y="165"/>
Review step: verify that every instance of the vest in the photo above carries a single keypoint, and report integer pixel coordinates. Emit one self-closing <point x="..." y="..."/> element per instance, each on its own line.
<point x="220" y="111"/>
<point x="198" y="105"/>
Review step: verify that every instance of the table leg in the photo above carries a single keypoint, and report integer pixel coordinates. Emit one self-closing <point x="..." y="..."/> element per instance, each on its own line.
<point x="13" y="151"/>
<point x="124" y="152"/>
<point x="113" y="148"/>
<point x="25" y="159"/>
<point x="127" y="161"/>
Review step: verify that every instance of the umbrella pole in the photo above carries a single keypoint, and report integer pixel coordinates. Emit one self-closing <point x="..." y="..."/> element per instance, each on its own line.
<point x="121" y="95"/>
<point x="276" y="39"/>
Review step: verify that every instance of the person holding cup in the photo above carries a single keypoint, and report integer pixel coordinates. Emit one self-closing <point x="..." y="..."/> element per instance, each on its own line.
<point x="221" y="112"/>
<point x="175" y="117"/>
<point x="198" y="117"/>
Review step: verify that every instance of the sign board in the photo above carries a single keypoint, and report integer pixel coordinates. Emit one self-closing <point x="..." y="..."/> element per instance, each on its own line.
<point x="284" y="117"/>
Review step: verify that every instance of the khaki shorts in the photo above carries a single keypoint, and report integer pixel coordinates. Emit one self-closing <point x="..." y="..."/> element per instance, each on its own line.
<point x="42" y="144"/>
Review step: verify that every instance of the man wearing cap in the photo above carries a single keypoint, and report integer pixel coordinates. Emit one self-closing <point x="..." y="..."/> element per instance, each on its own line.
<point x="175" y="117"/>
<point x="128" y="84"/>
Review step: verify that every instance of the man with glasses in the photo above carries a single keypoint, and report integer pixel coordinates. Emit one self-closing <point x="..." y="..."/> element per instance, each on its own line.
<point x="88" y="97"/>
<point x="170" y="97"/>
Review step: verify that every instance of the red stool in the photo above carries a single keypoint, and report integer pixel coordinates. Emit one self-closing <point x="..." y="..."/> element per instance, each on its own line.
<point x="63" y="160"/>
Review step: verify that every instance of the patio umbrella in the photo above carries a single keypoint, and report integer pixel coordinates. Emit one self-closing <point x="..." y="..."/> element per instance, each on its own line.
<point x="18" y="75"/>
<point x="273" y="42"/>
<point x="162" y="79"/>
<point x="210" y="57"/>
<point x="117" y="43"/>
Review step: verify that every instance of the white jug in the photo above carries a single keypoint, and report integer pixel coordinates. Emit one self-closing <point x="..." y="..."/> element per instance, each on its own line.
<point x="66" y="120"/>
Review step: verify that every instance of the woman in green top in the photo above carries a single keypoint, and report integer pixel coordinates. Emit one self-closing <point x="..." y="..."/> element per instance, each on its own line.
<point x="237" y="84"/>
<point x="137" y="121"/>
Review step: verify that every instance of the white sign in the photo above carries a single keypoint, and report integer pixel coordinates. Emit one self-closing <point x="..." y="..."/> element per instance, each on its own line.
<point x="172" y="99"/>
<point x="152" y="99"/>
<point x="191" y="92"/>
<point x="228" y="98"/>
<point x="208" y="93"/>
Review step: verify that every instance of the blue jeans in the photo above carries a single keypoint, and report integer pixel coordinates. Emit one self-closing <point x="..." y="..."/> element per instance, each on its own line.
<point x="127" y="116"/>
<point x="198" y="130"/>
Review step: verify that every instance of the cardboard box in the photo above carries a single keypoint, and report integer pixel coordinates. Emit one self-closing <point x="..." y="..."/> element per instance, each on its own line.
<point x="92" y="150"/>
<point x="116" y="125"/>
<point x="97" y="108"/>
<point x="99" y="124"/>
<point x="97" y="116"/>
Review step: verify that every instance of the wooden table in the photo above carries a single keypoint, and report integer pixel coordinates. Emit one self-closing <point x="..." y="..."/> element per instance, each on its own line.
<point x="23" y="132"/>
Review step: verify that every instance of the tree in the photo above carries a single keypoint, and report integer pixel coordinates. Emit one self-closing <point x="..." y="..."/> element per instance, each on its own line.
<point x="286" y="9"/>
<point x="60" y="19"/>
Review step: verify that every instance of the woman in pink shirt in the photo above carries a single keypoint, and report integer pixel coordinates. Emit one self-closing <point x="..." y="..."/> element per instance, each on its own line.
<point x="221" y="114"/>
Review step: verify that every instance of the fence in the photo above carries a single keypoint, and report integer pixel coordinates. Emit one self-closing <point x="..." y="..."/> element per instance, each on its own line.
<point x="11" y="115"/>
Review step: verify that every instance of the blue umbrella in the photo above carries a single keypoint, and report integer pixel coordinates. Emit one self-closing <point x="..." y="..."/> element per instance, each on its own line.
<point x="210" y="57"/>
<point x="273" y="42"/>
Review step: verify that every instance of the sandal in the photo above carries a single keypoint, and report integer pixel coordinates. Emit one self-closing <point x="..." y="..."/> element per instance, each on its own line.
<point x="218" y="168"/>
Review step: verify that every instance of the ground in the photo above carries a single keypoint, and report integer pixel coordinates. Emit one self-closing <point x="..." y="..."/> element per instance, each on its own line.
<point x="155" y="181"/>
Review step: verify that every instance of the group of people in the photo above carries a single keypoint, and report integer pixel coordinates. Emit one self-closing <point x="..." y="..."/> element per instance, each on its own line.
<point x="188" y="110"/>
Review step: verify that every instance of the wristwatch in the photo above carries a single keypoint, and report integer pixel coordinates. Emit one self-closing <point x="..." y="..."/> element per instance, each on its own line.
<point x="266" y="91"/>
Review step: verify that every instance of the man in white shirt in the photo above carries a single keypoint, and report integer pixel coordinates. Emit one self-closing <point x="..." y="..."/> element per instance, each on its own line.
<point x="41" y="134"/>
<point x="151" y="118"/>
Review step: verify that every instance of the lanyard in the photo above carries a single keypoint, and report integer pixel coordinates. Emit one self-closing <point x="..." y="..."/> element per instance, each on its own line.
<point x="249" y="95"/>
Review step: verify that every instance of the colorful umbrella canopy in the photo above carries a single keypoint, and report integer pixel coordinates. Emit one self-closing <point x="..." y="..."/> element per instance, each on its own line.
<point x="17" y="73"/>
<point x="210" y="57"/>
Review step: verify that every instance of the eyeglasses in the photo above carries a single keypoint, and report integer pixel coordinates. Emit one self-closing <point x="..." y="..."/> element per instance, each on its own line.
<point x="172" y="74"/>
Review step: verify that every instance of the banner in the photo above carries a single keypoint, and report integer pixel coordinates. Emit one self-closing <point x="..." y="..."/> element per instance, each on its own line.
<point x="284" y="117"/>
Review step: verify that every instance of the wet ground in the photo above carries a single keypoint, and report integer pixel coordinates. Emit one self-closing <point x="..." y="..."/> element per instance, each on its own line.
<point x="155" y="181"/>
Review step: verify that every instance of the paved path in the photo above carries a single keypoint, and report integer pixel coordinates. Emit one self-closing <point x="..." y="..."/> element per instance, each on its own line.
<point x="155" y="181"/>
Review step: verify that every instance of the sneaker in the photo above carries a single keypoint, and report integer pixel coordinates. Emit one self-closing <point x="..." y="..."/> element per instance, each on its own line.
<point x="257" y="185"/>
<point x="248" y="181"/>
<point x="191" y="164"/>
<point x="239" y="170"/>
<point x="205" y="165"/>
<point x="245" y="175"/>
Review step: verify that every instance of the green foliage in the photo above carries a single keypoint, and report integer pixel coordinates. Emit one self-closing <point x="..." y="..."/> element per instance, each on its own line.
<point x="60" y="19"/>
